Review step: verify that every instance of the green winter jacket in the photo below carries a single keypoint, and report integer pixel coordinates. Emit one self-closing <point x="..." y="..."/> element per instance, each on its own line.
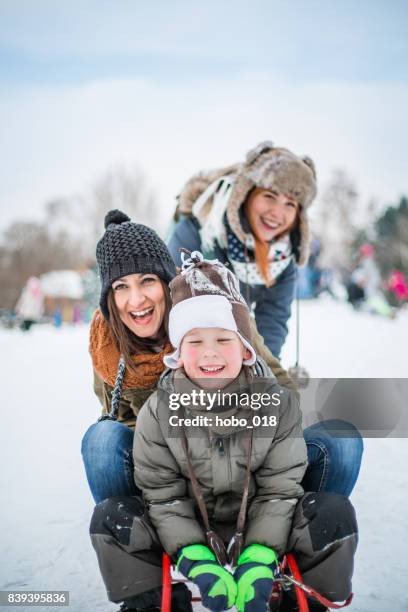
<point x="218" y="454"/>
<point x="133" y="399"/>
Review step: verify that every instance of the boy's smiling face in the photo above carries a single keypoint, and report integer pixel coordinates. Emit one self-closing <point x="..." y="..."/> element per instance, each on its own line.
<point x="212" y="356"/>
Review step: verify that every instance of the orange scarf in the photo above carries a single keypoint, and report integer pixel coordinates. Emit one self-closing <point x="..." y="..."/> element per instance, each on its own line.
<point x="105" y="358"/>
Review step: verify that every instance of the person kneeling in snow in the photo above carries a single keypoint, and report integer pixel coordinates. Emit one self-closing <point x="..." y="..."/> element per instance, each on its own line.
<point x="233" y="478"/>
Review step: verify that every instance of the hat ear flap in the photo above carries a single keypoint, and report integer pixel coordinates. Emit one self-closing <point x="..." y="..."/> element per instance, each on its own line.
<point x="309" y="162"/>
<point x="304" y="234"/>
<point x="295" y="239"/>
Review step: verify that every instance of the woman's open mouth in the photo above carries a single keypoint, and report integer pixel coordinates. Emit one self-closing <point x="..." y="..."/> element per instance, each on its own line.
<point x="142" y="317"/>
<point x="269" y="225"/>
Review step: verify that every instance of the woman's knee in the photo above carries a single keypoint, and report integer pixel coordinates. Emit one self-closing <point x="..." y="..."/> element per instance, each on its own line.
<point x="336" y="436"/>
<point x="104" y="439"/>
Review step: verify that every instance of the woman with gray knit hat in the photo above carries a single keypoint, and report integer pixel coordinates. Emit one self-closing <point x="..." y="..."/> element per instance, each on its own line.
<point x="128" y="341"/>
<point x="254" y="216"/>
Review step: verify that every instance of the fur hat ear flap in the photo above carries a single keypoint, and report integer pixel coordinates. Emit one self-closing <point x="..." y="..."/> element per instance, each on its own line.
<point x="263" y="147"/>
<point x="309" y="162"/>
<point x="196" y="185"/>
<point x="304" y="237"/>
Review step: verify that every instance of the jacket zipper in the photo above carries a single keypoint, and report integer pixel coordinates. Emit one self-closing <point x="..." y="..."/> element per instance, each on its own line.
<point x="224" y="452"/>
<point x="221" y="447"/>
<point x="229" y="462"/>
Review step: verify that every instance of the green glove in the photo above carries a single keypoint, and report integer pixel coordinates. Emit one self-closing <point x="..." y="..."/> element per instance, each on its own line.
<point x="254" y="576"/>
<point x="217" y="586"/>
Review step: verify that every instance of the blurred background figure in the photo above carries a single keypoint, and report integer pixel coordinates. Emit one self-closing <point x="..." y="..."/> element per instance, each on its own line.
<point x="398" y="287"/>
<point x="365" y="288"/>
<point x="57" y="317"/>
<point x="30" y="305"/>
<point x="356" y="294"/>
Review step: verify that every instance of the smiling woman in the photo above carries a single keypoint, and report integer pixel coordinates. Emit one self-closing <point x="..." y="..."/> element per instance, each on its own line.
<point x="254" y="216"/>
<point x="270" y="214"/>
<point x="128" y="339"/>
<point x="137" y="306"/>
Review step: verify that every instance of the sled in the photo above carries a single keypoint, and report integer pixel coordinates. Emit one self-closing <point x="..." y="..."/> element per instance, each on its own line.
<point x="289" y="576"/>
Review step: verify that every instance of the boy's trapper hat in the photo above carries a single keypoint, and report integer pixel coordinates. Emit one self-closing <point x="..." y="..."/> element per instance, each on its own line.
<point x="206" y="294"/>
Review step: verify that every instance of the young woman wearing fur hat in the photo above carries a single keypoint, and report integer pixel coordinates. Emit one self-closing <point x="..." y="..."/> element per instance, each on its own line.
<point x="254" y="216"/>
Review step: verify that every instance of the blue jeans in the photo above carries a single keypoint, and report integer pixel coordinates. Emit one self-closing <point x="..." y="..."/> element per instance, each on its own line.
<point x="107" y="454"/>
<point x="334" y="452"/>
<point x="334" y="460"/>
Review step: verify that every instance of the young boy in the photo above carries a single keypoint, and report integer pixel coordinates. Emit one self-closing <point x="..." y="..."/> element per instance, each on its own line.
<point x="219" y="455"/>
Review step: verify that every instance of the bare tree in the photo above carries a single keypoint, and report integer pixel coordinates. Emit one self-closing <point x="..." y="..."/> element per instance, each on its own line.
<point x="72" y="226"/>
<point x="337" y="220"/>
<point x="122" y="188"/>
<point x="81" y="216"/>
<point x="30" y="249"/>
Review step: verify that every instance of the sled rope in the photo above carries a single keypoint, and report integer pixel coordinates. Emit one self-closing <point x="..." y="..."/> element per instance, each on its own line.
<point x="296" y="580"/>
<point x="297" y="320"/>
<point x="289" y="580"/>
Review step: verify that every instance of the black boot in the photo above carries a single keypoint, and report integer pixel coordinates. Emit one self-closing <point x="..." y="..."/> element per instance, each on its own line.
<point x="125" y="608"/>
<point x="287" y="603"/>
<point x="180" y="600"/>
<point x="149" y="601"/>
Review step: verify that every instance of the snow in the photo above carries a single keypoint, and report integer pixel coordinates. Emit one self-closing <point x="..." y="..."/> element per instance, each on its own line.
<point x="49" y="403"/>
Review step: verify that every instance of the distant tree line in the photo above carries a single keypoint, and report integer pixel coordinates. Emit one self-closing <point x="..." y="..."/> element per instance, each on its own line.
<point x="67" y="235"/>
<point x="343" y="223"/>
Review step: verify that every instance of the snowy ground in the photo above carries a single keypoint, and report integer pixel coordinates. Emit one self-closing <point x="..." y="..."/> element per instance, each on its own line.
<point x="48" y="404"/>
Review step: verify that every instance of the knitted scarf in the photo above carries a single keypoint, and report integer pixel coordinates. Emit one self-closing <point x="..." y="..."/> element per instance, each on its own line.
<point x="243" y="259"/>
<point x="105" y="358"/>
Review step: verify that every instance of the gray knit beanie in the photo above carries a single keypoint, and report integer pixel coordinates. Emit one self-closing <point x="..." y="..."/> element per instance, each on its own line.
<point x="129" y="248"/>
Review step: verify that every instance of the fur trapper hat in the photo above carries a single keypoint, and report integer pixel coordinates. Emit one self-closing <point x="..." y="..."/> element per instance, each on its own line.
<point x="266" y="167"/>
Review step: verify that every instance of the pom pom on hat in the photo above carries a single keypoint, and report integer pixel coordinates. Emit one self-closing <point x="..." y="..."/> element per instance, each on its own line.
<point x="116" y="217"/>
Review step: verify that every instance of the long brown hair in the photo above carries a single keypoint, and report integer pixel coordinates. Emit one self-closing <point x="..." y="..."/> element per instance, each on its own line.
<point x="261" y="258"/>
<point x="127" y="342"/>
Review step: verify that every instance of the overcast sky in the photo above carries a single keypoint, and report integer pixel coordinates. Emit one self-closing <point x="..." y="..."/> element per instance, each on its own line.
<point x="179" y="86"/>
